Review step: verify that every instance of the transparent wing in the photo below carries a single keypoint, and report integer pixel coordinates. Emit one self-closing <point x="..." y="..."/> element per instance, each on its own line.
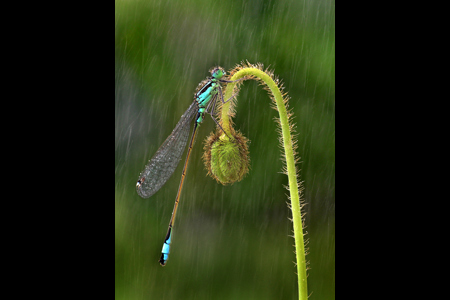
<point x="166" y="159"/>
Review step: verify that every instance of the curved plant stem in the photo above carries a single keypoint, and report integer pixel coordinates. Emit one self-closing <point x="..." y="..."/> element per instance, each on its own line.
<point x="289" y="148"/>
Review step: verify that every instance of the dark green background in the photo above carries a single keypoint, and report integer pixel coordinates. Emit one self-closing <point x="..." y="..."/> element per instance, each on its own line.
<point x="230" y="242"/>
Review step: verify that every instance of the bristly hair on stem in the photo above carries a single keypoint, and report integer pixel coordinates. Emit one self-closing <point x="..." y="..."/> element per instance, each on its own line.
<point x="288" y="142"/>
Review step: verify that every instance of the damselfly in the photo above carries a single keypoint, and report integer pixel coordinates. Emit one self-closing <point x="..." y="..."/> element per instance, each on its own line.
<point x="164" y="162"/>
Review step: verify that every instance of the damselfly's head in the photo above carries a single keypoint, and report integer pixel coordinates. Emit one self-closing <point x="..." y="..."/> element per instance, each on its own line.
<point x="217" y="72"/>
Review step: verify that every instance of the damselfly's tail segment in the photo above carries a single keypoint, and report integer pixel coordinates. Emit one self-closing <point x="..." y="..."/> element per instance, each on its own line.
<point x="166" y="248"/>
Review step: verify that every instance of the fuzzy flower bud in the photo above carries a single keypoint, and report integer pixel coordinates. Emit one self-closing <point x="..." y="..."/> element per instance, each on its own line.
<point x="226" y="160"/>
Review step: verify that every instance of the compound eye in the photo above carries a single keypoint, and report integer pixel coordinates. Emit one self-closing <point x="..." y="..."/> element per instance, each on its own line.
<point x="218" y="73"/>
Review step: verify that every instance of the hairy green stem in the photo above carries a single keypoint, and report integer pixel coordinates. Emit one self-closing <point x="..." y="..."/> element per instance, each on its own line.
<point x="290" y="163"/>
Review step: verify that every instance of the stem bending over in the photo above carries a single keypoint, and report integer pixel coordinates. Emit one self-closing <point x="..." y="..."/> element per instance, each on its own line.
<point x="274" y="88"/>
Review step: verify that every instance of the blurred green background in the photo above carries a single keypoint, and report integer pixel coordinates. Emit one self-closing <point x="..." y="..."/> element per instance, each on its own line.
<point x="229" y="242"/>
